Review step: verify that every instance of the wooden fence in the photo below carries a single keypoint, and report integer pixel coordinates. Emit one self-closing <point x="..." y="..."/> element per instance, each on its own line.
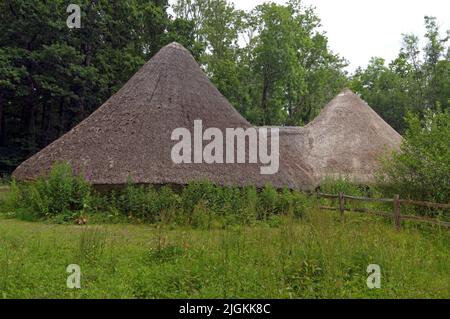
<point x="395" y="214"/>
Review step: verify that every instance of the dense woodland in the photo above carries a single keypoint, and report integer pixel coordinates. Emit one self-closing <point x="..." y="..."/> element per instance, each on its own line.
<point x="273" y="64"/>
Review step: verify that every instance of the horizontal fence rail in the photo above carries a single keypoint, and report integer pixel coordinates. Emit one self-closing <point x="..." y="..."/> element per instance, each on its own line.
<point x="424" y="204"/>
<point x="367" y="199"/>
<point x="395" y="215"/>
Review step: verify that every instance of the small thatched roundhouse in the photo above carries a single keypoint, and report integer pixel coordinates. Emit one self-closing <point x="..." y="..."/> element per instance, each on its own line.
<point x="130" y="135"/>
<point x="347" y="139"/>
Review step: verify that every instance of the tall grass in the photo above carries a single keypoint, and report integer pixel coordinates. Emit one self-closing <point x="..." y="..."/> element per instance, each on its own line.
<point x="314" y="257"/>
<point x="208" y="242"/>
<point x="64" y="197"/>
<point x="60" y="192"/>
<point x="333" y="185"/>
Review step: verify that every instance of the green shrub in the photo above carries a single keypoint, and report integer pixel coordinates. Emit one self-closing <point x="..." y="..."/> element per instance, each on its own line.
<point x="331" y="185"/>
<point x="168" y="203"/>
<point x="421" y="170"/>
<point x="56" y="193"/>
<point x="248" y="205"/>
<point x="268" y="202"/>
<point x="100" y="203"/>
<point x="65" y="198"/>
<point x="201" y="216"/>
<point x="292" y="203"/>
<point x="141" y="202"/>
<point x="198" y="191"/>
<point x="134" y="201"/>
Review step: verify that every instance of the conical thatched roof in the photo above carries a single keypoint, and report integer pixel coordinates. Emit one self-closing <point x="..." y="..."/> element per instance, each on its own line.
<point x="130" y="135"/>
<point x="346" y="140"/>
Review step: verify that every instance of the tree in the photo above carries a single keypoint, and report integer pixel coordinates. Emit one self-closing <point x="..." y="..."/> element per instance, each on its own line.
<point x="415" y="81"/>
<point x="421" y="170"/>
<point x="436" y="69"/>
<point x="298" y="73"/>
<point x="271" y="63"/>
<point x="385" y="88"/>
<point x="52" y="77"/>
<point x="218" y="26"/>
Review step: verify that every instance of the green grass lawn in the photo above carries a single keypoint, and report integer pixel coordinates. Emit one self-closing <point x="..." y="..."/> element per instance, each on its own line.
<point x="315" y="257"/>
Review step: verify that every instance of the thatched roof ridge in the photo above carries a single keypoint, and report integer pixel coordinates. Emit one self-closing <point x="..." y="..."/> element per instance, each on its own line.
<point x="129" y="136"/>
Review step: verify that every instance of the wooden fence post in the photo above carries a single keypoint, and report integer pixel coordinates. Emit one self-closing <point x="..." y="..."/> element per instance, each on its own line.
<point x="397" y="217"/>
<point x="341" y="205"/>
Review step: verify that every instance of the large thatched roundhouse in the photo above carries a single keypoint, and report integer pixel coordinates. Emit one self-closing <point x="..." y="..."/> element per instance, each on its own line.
<point x="130" y="135"/>
<point x="347" y="139"/>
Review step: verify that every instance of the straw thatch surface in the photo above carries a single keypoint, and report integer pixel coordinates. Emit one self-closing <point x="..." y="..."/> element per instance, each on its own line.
<point x="129" y="135"/>
<point x="345" y="140"/>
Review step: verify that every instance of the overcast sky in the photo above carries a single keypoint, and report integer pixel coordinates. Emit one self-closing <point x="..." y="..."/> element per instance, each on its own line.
<point x="361" y="29"/>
